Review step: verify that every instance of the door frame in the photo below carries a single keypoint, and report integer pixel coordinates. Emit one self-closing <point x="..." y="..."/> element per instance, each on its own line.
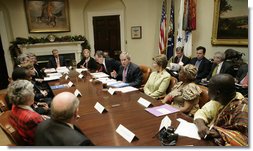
<point x="105" y="13"/>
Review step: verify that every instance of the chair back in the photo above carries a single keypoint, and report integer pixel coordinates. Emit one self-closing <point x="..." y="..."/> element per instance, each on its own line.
<point x="146" y="71"/>
<point x="10" y="131"/>
<point x="204" y="98"/>
<point x="3" y="104"/>
<point x="173" y="81"/>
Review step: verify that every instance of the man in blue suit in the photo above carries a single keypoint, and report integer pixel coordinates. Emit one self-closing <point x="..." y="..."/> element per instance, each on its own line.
<point x="128" y="72"/>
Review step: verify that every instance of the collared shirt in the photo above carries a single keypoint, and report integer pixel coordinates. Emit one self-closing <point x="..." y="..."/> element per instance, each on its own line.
<point x="198" y="62"/>
<point x="71" y="125"/>
<point x="124" y="74"/>
<point x="219" y="67"/>
<point x="104" y="65"/>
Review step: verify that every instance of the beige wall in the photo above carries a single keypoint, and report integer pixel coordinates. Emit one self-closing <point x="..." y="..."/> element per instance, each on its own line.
<point x="145" y="13"/>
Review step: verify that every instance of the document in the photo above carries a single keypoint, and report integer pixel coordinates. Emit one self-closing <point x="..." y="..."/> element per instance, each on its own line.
<point x="187" y="129"/>
<point x="162" y="110"/>
<point x="80" y="70"/>
<point x="51" y="78"/>
<point x="54" y="75"/>
<point x="99" y="75"/>
<point x="126" y="89"/>
<point x="49" y="70"/>
<point x="62" y="69"/>
<point x="118" y="84"/>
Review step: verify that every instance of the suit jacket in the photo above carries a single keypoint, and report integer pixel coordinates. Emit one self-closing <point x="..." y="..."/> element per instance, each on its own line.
<point x="242" y="72"/>
<point x="134" y="75"/>
<point x="185" y="60"/>
<point x="157" y="84"/>
<point x="54" y="133"/>
<point x="225" y="68"/>
<point x="52" y="62"/>
<point x="92" y="64"/>
<point x="110" y="65"/>
<point x="203" y="70"/>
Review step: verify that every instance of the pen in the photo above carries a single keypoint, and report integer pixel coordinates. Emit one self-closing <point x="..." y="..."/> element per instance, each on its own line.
<point x="209" y="130"/>
<point x="115" y="105"/>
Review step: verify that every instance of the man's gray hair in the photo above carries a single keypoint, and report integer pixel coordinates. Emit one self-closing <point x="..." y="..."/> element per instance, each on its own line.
<point x="124" y="53"/>
<point x="221" y="54"/>
<point x="19" y="91"/>
<point x="21" y="58"/>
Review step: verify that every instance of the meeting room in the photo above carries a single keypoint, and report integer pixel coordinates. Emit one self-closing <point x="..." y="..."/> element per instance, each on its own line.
<point x="124" y="73"/>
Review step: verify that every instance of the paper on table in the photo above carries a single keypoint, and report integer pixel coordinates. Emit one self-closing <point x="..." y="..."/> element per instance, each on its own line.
<point x="162" y="110"/>
<point x="126" y="89"/>
<point x="79" y="70"/>
<point x="143" y="102"/>
<point x="51" y="78"/>
<point x="187" y="129"/>
<point x="49" y="70"/>
<point x="99" y="75"/>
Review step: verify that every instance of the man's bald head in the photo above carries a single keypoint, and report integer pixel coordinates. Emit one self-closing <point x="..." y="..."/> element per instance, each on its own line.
<point x="64" y="106"/>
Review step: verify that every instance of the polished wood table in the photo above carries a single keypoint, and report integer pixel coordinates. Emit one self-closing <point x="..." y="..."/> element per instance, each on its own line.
<point x="101" y="128"/>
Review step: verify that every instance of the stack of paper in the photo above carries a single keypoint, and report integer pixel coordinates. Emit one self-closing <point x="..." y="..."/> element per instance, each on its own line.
<point x="62" y="69"/>
<point x="106" y="80"/>
<point x="55" y="87"/>
<point x="49" y="70"/>
<point x="99" y="75"/>
<point x="51" y="78"/>
<point x="126" y="89"/>
<point x="117" y="84"/>
<point x="80" y="70"/>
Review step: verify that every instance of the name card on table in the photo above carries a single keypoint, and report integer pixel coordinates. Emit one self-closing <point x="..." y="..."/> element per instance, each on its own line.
<point x="70" y="84"/>
<point x="166" y="122"/>
<point x="80" y="76"/>
<point x="111" y="91"/>
<point x="100" y="108"/>
<point x="66" y="77"/>
<point x="125" y="133"/>
<point x="77" y="93"/>
<point x="143" y="102"/>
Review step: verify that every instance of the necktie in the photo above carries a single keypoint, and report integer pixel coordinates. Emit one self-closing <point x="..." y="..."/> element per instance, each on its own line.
<point x="215" y="70"/>
<point x="102" y="68"/>
<point x="124" y="75"/>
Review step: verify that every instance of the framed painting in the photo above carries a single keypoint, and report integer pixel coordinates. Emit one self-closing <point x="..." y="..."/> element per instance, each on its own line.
<point x="230" y="23"/>
<point x="47" y="15"/>
<point x="136" y="32"/>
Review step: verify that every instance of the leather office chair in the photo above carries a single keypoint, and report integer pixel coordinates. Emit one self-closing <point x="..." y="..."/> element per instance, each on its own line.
<point x="3" y="104"/>
<point x="11" y="132"/>
<point x="173" y="81"/>
<point x="146" y="71"/>
<point x="204" y="98"/>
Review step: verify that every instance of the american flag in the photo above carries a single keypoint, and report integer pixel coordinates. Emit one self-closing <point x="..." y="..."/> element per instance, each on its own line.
<point x="162" y="37"/>
<point x="171" y="32"/>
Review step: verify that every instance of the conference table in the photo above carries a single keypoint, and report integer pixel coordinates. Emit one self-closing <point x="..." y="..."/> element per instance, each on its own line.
<point x="121" y="108"/>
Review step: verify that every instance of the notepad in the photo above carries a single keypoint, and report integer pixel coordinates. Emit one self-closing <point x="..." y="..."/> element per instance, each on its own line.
<point x="55" y="87"/>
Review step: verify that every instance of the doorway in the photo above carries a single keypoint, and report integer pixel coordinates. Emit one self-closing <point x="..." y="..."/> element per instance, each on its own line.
<point x="4" y="74"/>
<point x="107" y="34"/>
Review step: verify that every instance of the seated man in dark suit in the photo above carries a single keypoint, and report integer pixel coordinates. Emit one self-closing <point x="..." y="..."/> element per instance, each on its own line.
<point x="60" y="129"/>
<point x="106" y="65"/>
<point x="128" y="72"/>
<point x="203" y="65"/>
<point x="180" y="58"/>
<point x="56" y="61"/>
<point x="220" y="66"/>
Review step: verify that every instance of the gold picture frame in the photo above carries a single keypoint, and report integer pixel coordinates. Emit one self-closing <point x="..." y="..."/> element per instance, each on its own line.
<point x="136" y="32"/>
<point x="230" y="23"/>
<point x="47" y="16"/>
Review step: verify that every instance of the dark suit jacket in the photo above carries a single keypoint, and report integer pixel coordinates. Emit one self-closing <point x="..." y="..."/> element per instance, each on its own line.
<point x="203" y="70"/>
<point x="225" y="68"/>
<point x="54" y="133"/>
<point x="242" y="72"/>
<point x="111" y="65"/>
<point x="185" y="60"/>
<point x="92" y="64"/>
<point x="134" y="75"/>
<point x="52" y="62"/>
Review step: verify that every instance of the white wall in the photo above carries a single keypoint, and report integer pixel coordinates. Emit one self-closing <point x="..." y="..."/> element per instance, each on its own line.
<point x="145" y="13"/>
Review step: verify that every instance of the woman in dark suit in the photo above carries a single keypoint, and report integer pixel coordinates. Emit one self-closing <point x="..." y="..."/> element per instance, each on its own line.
<point x="87" y="61"/>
